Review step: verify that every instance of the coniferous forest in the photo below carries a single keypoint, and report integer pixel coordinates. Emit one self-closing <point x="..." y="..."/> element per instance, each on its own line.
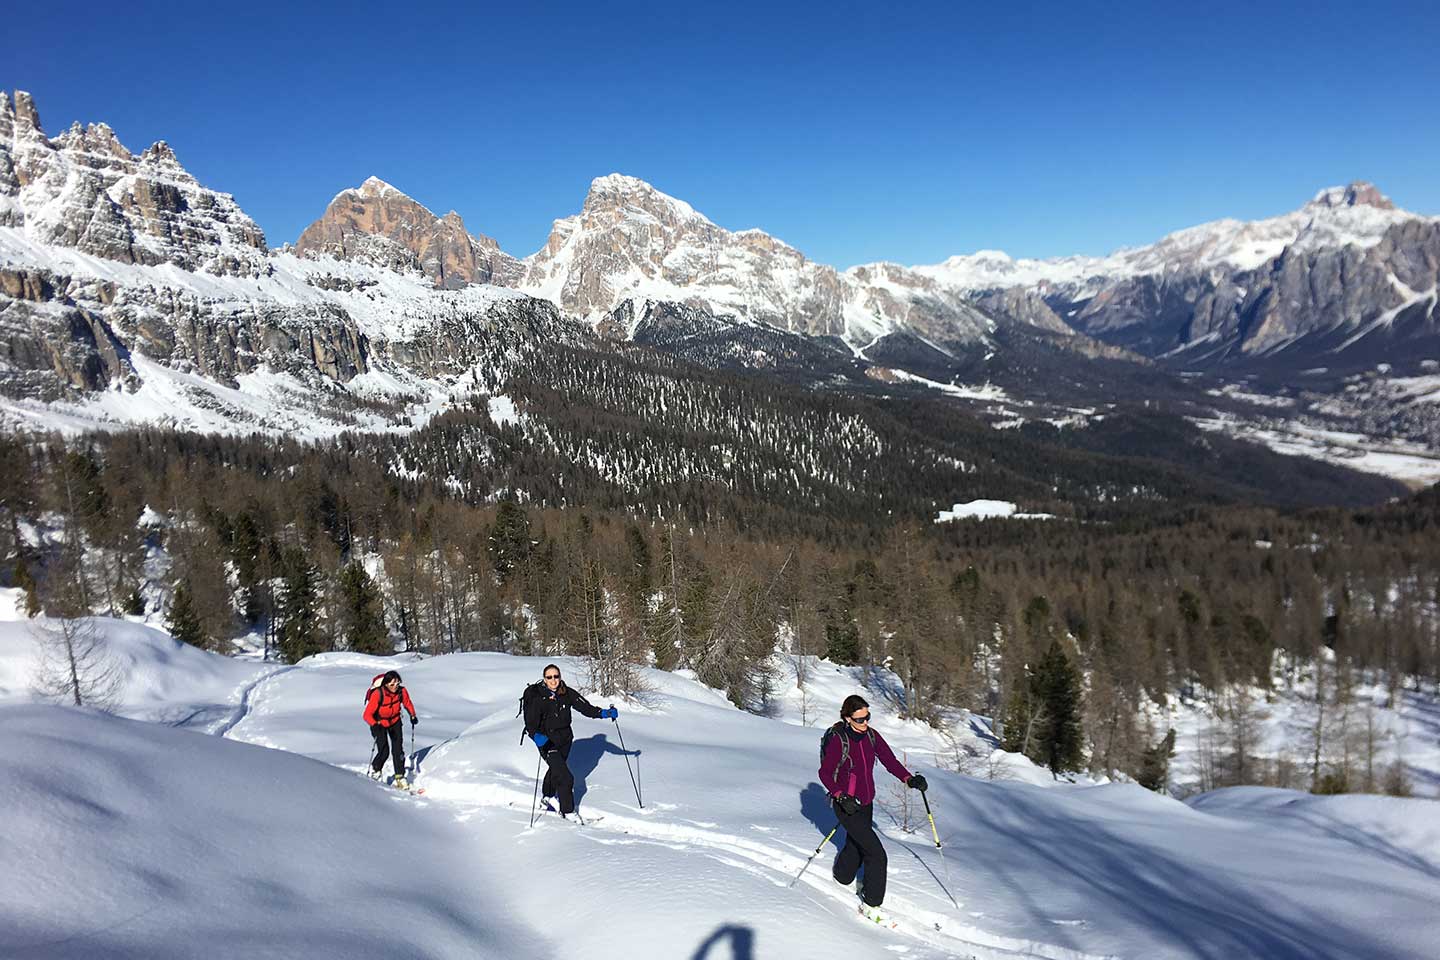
<point x="646" y="510"/>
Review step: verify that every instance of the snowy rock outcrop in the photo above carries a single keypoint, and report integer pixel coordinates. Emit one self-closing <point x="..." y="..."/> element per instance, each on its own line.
<point x="85" y="191"/>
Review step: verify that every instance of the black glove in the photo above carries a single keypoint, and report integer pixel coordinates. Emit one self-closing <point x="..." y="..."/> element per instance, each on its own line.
<point x="917" y="782"/>
<point x="414" y="719"/>
<point x="848" y="804"/>
<point x="375" y="729"/>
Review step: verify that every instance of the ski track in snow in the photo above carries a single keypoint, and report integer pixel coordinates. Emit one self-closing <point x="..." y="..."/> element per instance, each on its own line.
<point x="246" y="694"/>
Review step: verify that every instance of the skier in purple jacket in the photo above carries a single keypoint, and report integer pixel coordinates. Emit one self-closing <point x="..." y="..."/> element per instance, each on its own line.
<point x="847" y="769"/>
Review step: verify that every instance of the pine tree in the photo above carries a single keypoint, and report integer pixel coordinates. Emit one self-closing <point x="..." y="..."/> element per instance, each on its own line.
<point x="1155" y="764"/>
<point x="509" y="539"/>
<point x="362" y="620"/>
<point x="182" y="621"/>
<point x="300" y="631"/>
<point x="1057" y="684"/>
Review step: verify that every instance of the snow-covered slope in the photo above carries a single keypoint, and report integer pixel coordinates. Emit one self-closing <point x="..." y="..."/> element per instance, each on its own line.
<point x="141" y="841"/>
<point x="131" y="835"/>
<point x="163" y="680"/>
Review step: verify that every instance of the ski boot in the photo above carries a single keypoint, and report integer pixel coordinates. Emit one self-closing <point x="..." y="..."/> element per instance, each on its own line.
<point x="876" y="915"/>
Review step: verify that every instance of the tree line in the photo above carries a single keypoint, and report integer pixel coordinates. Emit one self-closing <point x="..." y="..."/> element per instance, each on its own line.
<point x="1073" y="633"/>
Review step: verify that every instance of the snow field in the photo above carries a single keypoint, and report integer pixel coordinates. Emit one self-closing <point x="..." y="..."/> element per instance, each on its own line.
<point x="140" y="840"/>
<point x="137" y="840"/>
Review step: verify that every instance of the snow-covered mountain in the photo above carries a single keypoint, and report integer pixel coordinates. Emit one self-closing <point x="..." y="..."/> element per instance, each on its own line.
<point x="1358" y="214"/>
<point x="632" y="243"/>
<point x="1327" y="275"/>
<point x="130" y="293"/>
<point x="83" y="190"/>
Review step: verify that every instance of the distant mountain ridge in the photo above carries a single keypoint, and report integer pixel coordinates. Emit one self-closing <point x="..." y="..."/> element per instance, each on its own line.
<point x="123" y="279"/>
<point x="1323" y="278"/>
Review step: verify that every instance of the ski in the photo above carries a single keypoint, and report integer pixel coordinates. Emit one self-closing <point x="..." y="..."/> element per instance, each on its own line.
<point x="872" y="915"/>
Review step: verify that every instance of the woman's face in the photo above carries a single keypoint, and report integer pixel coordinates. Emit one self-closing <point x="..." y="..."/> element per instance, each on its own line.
<point x="859" y="720"/>
<point x="393" y="683"/>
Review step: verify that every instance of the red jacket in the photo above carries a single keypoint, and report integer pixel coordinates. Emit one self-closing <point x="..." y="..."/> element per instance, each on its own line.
<point x="383" y="707"/>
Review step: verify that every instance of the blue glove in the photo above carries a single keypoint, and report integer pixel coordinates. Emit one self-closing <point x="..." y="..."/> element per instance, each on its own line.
<point x="609" y="714"/>
<point x="540" y="739"/>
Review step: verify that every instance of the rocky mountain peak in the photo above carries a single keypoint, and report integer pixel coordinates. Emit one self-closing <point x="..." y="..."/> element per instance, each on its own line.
<point x="84" y="190"/>
<point x="379" y="224"/>
<point x="616" y="193"/>
<point x="1359" y="193"/>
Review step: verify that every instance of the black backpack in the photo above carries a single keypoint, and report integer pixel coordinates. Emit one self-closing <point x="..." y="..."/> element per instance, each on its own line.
<point x="838" y="729"/>
<point x="525" y="695"/>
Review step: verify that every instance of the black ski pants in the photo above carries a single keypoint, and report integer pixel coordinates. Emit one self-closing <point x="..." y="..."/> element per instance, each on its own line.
<point x="559" y="781"/>
<point x="389" y="740"/>
<point x="862" y="849"/>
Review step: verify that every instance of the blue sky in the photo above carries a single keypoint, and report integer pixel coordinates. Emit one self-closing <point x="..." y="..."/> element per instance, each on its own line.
<point x="855" y="132"/>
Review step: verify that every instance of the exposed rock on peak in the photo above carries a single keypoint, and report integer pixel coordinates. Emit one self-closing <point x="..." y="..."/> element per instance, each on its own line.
<point x="25" y="111"/>
<point x="1357" y="194"/>
<point x="379" y="224"/>
<point x="83" y="189"/>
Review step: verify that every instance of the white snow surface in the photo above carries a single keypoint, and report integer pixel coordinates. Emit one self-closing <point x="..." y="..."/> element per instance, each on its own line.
<point x="987" y="510"/>
<point x="143" y="840"/>
<point x="1404" y="460"/>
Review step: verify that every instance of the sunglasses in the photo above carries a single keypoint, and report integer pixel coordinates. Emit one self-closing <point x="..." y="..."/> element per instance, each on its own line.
<point x="552" y="676"/>
<point x="856" y="718"/>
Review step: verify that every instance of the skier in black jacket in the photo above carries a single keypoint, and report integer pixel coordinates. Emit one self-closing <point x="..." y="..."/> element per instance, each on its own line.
<point x="547" y="707"/>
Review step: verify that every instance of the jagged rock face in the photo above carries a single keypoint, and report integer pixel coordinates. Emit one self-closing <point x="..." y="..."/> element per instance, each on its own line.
<point x="84" y="190"/>
<point x="61" y="333"/>
<point x="1311" y="291"/>
<point x="379" y="225"/>
<point x="1027" y="306"/>
<point x="630" y="242"/>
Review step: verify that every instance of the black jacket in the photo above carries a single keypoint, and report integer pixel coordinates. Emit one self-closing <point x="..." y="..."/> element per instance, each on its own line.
<point x="550" y="714"/>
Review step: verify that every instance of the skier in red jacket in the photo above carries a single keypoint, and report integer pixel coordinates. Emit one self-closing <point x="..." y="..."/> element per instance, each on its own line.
<point x="386" y="697"/>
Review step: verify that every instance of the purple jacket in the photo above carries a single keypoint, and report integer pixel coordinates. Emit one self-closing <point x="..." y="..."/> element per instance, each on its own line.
<point x="856" y="776"/>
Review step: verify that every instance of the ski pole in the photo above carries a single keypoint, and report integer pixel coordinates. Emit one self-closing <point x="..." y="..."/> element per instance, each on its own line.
<point x="815" y="854"/>
<point x="410" y="756"/>
<point x="535" y="800"/>
<point x="624" y="753"/>
<point x="936" y="834"/>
